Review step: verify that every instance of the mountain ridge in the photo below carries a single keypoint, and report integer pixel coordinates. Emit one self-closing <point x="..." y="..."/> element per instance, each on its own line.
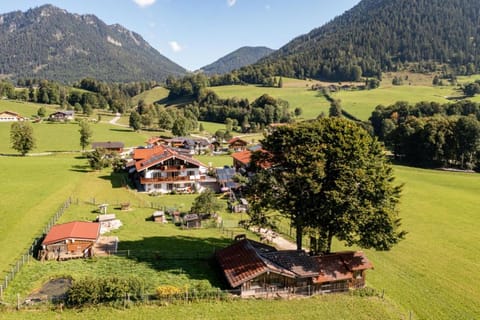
<point x="241" y="57"/>
<point x="49" y="42"/>
<point x="383" y="35"/>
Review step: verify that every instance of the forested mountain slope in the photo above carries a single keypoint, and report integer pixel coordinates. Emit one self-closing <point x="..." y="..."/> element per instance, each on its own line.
<point x="381" y="35"/>
<point x="237" y="59"/>
<point x="48" y="42"/>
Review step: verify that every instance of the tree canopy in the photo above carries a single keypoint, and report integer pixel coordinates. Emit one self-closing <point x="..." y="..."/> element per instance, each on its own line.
<point x="21" y="137"/>
<point x="85" y="134"/>
<point x="331" y="179"/>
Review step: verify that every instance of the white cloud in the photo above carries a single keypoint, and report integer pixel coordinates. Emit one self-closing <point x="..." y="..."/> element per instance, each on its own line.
<point x="175" y="46"/>
<point x="144" y="3"/>
<point x="231" y="3"/>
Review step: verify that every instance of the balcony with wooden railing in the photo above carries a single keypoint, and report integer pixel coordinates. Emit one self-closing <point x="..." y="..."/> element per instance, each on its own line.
<point x="170" y="179"/>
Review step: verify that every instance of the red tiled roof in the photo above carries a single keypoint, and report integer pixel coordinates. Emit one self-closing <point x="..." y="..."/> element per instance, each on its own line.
<point x="160" y="154"/>
<point x="73" y="230"/>
<point x="245" y="157"/>
<point x="144" y="153"/>
<point x="242" y="156"/>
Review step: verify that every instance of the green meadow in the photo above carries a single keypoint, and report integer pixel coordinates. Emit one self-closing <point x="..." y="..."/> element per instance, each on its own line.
<point x="432" y="274"/>
<point x="58" y="137"/>
<point x="311" y="102"/>
<point x="361" y="103"/>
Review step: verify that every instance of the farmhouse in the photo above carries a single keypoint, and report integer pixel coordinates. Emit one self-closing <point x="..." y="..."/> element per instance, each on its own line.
<point x="62" y="116"/>
<point x="10" y="116"/>
<point x="164" y="170"/>
<point x="253" y="268"/>
<point x="70" y="240"/>
<point x="236" y="144"/>
<point x="112" y="146"/>
<point x="182" y="144"/>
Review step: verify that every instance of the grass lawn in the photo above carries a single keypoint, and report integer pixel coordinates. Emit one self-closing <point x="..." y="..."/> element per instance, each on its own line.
<point x="65" y="136"/>
<point x="311" y="103"/>
<point x="32" y="190"/>
<point x="25" y="109"/>
<point x="361" y="103"/>
<point x="434" y="272"/>
<point x="343" y="307"/>
<point x="151" y="96"/>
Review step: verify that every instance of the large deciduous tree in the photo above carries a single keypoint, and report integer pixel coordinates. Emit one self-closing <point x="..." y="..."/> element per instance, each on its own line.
<point x="85" y="134"/>
<point x="21" y="137"/>
<point x="331" y="179"/>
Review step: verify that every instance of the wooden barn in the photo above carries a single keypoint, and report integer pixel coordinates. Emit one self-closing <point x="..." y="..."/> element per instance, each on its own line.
<point x="256" y="269"/>
<point x="70" y="240"/>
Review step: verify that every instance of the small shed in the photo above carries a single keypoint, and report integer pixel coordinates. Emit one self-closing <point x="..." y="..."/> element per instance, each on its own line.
<point x="159" y="216"/>
<point x="192" y="220"/>
<point x="113" y="146"/>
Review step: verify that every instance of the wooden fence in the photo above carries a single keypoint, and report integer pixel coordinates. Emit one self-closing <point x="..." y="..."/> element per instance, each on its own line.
<point x="28" y="254"/>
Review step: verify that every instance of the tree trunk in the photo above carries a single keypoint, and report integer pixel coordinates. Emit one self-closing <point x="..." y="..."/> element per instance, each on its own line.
<point x="329" y="242"/>
<point x="299" y="231"/>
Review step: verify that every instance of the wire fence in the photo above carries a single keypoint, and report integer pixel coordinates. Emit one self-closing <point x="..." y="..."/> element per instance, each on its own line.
<point x="29" y="253"/>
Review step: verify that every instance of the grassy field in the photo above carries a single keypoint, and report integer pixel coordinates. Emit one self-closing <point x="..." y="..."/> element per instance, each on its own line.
<point x="434" y="272"/>
<point x="32" y="189"/>
<point x="311" y="103"/>
<point x="323" y="307"/>
<point x="65" y="136"/>
<point x="362" y="103"/>
<point x="25" y="109"/>
<point x="154" y="95"/>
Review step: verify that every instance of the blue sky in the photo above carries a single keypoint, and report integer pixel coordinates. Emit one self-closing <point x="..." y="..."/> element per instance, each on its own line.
<point x="194" y="33"/>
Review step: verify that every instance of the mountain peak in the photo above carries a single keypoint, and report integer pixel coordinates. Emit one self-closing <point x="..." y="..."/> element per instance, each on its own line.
<point x="239" y="58"/>
<point x="49" y="42"/>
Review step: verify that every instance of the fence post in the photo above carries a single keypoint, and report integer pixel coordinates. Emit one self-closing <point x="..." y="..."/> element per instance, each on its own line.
<point x="1" y="291"/>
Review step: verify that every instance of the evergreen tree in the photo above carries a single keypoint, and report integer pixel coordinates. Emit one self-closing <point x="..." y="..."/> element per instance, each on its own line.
<point x="134" y="121"/>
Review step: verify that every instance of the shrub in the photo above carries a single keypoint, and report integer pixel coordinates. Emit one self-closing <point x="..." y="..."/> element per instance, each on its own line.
<point x="94" y="290"/>
<point x="167" y="291"/>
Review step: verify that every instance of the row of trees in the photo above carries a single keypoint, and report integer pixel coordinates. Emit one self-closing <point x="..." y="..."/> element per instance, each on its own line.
<point x="94" y="94"/>
<point x="431" y="134"/>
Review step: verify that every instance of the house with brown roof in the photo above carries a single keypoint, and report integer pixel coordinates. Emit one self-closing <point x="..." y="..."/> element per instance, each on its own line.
<point x="236" y="144"/>
<point x="111" y="146"/>
<point x="70" y="240"/>
<point x="10" y="116"/>
<point x="62" y="116"/>
<point x="256" y="269"/>
<point x="162" y="169"/>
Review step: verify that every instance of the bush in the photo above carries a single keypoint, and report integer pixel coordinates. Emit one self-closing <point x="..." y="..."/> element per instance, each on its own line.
<point x="168" y="291"/>
<point x="94" y="290"/>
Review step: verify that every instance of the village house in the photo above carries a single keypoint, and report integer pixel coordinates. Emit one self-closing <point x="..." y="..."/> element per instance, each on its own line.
<point x="111" y="146"/>
<point x="162" y="169"/>
<point x="185" y="145"/>
<point x="10" y="116"/>
<point x="236" y="144"/>
<point x="256" y="269"/>
<point x="70" y="240"/>
<point x="242" y="160"/>
<point x="62" y="116"/>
